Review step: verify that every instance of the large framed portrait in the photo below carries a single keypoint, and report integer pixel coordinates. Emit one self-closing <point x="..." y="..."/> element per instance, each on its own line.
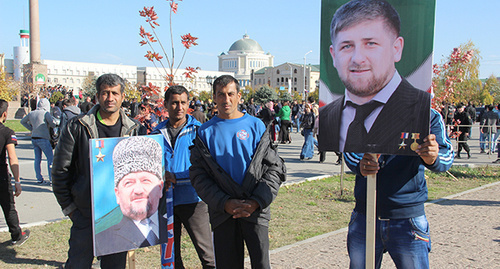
<point x="131" y="208"/>
<point x="376" y="75"/>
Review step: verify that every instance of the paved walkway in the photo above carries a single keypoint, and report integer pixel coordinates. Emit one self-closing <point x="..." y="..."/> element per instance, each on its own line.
<point x="465" y="233"/>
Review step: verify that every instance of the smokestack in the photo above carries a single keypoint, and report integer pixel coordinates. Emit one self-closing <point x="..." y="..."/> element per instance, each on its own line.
<point x="35" y="32"/>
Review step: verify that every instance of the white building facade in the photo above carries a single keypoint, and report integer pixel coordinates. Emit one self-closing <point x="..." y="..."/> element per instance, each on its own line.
<point x="244" y="57"/>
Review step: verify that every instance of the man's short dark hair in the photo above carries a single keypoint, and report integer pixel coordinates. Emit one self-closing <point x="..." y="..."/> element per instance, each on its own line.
<point x="225" y="80"/>
<point x="69" y="102"/>
<point x="356" y="11"/>
<point x="4" y="105"/>
<point x="109" y="80"/>
<point x="176" y="89"/>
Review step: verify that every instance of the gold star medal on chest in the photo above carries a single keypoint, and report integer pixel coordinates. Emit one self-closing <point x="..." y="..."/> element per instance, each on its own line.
<point x="415" y="137"/>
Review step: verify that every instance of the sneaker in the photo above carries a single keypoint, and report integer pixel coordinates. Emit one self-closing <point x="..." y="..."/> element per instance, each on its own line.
<point x="496" y="161"/>
<point x="40" y="182"/>
<point x="24" y="236"/>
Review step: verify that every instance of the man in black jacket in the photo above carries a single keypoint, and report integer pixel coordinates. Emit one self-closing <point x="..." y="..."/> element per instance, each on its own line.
<point x="71" y="169"/>
<point x="464" y="122"/>
<point x="238" y="188"/>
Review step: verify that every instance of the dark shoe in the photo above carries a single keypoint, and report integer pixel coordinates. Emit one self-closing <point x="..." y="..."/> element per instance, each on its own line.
<point x="496" y="161"/>
<point x="458" y="156"/>
<point x="24" y="236"/>
<point x="40" y="182"/>
<point x="468" y="155"/>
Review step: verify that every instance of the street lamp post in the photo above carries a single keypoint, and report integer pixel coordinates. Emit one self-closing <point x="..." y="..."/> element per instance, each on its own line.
<point x="305" y="77"/>
<point x="290" y="84"/>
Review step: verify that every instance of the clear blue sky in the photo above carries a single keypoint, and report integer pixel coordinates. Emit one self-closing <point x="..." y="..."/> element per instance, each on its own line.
<point x="107" y="31"/>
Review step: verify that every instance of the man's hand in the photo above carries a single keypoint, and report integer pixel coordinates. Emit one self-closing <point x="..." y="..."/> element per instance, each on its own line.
<point x="429" y="150"/>
<point x="369" y="164"/>
<point x="169" y="179"/>
<point x="240" y="208"/>
<point x="18" y="189"/>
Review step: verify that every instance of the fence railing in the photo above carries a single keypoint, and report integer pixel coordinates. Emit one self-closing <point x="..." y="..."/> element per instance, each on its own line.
<point x="490" y="135"/>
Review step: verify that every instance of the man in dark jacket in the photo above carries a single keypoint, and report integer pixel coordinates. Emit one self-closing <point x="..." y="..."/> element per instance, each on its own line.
<point x="464" y="122"/>
<point x="71" y="169"/>
<point x="489" y="123"/>
<point x="237" y="172"/>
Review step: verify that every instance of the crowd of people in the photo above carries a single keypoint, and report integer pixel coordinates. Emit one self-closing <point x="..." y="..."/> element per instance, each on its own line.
<point x="460" y="119"/>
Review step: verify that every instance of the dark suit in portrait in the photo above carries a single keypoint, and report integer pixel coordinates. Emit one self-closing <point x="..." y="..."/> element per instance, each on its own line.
<point x="404" y="117"/>
<point x="126" y="236"/>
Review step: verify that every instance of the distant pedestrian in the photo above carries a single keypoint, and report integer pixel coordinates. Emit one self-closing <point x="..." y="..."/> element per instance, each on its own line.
<point x="8" y="141"/>
<point x="307" y="130"/>
<point x="464" y="121"/>
<point x="198" y="114"/>
<point x="38" y="122"/>
<point x="87" y="105"/>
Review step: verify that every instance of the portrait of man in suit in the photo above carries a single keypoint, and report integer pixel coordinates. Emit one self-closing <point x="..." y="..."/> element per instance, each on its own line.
<point x="380" y="112"/>
<point x="137" y="163"/>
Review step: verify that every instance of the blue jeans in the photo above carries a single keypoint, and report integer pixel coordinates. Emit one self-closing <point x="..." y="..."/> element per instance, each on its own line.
<point x="297" y="123"/>
<point x="481" y="140"/>
<point x="308" y="147"/>
<point x="495" y="142"/>
<point x="407" y="241"/>
<point x="42" y="145"/>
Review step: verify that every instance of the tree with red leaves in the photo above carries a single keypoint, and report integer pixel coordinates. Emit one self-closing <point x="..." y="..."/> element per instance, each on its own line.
<point x="457" y="78"/>
<point x="158" y="52"/>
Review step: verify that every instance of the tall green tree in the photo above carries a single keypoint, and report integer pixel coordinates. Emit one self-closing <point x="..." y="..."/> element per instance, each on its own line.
<point x="8" y="87"/>
<point x="485" y="97"/>
<point x="265" y="94"/>
<point x="492" y="86"/>
<point x="88" y="86"/>
<point x="456" y="79"/>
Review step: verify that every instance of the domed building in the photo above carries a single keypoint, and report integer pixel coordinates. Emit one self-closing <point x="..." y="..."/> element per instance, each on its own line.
<point x="244" y="57"/>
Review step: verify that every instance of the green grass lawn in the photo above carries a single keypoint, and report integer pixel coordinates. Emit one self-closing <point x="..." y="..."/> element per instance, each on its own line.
<point x="16" y="126"/>
<point x="317" y="204"/>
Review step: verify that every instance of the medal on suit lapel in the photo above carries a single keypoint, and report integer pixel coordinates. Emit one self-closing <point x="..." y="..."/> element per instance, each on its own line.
<point x="403" y="136"/>
<point x="99" y="144"/>
<point x="415" y="137"/>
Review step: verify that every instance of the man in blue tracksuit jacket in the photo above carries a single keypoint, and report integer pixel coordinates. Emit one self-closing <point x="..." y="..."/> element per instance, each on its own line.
<point x="179" y="132"/>
<point x="401" y="227"/>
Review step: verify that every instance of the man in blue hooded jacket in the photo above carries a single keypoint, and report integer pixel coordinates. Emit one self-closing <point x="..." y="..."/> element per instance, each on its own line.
<point x="179" y="131"/>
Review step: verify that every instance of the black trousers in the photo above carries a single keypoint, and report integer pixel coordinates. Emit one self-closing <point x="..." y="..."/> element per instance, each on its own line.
<point x="462" y="143"/>
<point x="195" y="219"/>
<point x="229" y="248"/>
<point x="284" y="131"/>
<point x="81" y="254"/>
<point x="9" y="208"/>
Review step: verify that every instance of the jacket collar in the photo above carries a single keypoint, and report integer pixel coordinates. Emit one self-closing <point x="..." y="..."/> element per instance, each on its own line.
<point x="89" y="120"/>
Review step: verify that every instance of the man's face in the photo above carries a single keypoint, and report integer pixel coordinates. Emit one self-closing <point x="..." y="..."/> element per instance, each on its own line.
<point x="110" y="98"/>
<point x="177" y="106"/>
<point x="138" y="195"/>
<point x="364" y="56"/>
<point x="227" y="99"/>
